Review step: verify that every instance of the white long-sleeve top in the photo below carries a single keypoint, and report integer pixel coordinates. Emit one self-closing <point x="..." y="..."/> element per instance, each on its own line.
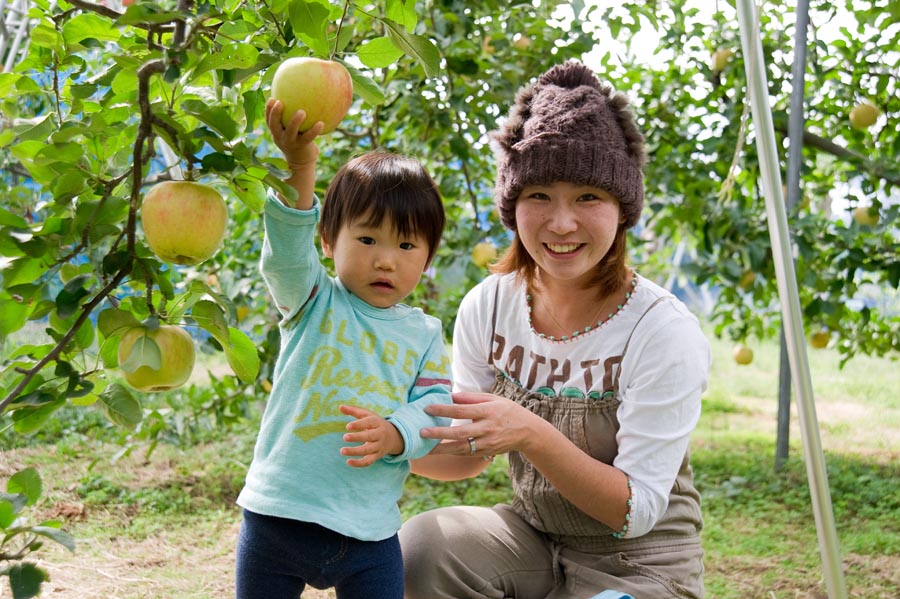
<point x="663" y="374"/>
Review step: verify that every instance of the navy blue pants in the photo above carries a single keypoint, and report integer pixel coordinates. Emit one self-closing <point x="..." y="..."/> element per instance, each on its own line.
<point x="278" y="557"/>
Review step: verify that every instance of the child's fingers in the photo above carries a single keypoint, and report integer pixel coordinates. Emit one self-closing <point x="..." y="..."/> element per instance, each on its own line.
<point x="313" y="132"/>
<point x="293" y="128"/>
<point x="355" y="411"/>
<point x="362" y="462"/>
<point x="361" y="436"/>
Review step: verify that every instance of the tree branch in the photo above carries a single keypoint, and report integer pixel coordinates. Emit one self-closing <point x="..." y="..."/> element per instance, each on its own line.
<point x="838" y="151"/>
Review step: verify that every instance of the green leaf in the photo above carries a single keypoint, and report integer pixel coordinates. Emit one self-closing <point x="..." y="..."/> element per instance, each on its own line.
<point x="402" y="12"/>
<point x="113" y="321"/>
<point x="8" y="219"/>
<point x="229" y="56"/>
<point x="211" y="318"/>
<point x="33" y="399"/>
<point x="69" y="298"/>
<point x="8" y="82"/>
<point x="365" y="88"/>
<point x="242" y="355"/>
<point x="53" y="532"/>
<point x="217" y="118"/>
<point x="309" y="19"/>
<point x="144" y="352"/>
<point x="417" y="47"/>
<point x="89" y="26"/>
<point x="25" y="580"/>
<point x="379" y="53"/>
<point x="28" y="421"/>
<point x="13" y="316"/>
<point x="250" y="191"/>
<point x="45" y="35"/>
<point x="20" y="270"/>
<point x="28" y="483"/>
<point x="218" y="162"/>
<point x="7" y="512"/>
<point x="121" y="407"/>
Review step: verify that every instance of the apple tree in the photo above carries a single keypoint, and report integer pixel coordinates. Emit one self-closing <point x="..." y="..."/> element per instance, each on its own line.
<point x="706" y="212"/>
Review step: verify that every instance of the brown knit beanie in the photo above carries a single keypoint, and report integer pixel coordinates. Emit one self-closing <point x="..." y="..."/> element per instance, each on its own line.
<point x="569" y="127"/>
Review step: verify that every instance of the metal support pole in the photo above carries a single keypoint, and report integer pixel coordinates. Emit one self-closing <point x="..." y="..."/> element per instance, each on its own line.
<point x="790" y="299"/>
<point x="795" y="160"/>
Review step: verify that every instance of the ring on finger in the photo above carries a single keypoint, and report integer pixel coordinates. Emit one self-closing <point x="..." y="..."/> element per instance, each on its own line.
<point x="472" y="448"/>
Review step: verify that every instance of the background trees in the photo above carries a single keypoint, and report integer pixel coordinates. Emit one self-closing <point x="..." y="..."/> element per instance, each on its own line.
<point x="109" y="100"/>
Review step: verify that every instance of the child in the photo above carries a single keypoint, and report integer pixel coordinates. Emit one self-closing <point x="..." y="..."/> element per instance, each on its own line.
<point x="355" y="372"/>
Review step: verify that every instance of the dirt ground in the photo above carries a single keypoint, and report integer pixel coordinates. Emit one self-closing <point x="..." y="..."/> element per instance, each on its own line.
<point x="197" y="562"/>
<point x="153" y="568"/>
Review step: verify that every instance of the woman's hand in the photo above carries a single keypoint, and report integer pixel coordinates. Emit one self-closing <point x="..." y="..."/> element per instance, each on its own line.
<point x="497" y="425"/>
<point x="299" y="149"/>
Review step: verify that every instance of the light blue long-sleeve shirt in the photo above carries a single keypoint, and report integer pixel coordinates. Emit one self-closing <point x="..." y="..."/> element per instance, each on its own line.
<point x="337" y="349"/>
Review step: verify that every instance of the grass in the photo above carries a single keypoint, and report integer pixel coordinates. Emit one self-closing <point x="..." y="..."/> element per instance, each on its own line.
<point x="165" y="525"/>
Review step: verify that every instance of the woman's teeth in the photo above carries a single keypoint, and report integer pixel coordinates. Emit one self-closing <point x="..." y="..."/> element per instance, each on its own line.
<point x="562" y="248"/>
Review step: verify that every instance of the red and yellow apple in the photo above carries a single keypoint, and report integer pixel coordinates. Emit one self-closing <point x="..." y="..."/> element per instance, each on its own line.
<point x="184" y="222"/>
<point x="863" y="115"/>
<point x="176" y="357"/>
<point x="322" y="88"/>
<point x="742" y="354"/>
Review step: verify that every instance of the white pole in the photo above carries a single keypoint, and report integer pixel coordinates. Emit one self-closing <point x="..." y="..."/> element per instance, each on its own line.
<point x="792" y="320"/>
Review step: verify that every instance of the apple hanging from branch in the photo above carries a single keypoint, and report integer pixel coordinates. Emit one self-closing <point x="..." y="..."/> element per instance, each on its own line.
<point x="156" y="359"/>
<point x="322" y="88"/>
<point x="184" y="222"/>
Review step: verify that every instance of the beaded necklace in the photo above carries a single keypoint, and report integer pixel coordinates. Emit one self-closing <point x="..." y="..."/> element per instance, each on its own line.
<point x="589" y="327"/>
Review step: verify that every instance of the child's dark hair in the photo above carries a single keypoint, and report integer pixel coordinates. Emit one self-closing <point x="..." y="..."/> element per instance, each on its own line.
<point x="379" y="184"/>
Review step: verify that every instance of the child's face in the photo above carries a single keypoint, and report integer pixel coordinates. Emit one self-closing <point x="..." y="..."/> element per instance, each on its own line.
<point x="375" y="263"/>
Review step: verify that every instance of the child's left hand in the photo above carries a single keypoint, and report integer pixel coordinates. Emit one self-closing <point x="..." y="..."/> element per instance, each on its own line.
<point x="377" y="436"/>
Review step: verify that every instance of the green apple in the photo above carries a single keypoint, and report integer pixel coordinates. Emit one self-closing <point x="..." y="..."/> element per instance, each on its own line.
<point x="322" y="88"/>
<point x="156" y="359"/>
<point x="820" y="339"/>
<point x="866" y="216"/>
<point x="184" y="222"/>
<point x="863" y="115"/>
<point x="484" y="253"/>
<point x="719" y="59"/>
<point x="742" y="354"/>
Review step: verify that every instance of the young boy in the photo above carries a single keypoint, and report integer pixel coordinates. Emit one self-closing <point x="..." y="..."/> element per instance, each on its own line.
<point x="355" y="372"/>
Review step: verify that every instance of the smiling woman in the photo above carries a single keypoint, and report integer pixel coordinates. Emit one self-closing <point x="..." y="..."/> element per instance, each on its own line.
<point x="589" y="377"/>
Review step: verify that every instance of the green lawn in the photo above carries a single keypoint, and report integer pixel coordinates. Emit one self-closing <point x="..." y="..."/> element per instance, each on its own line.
<point x="164" y="525"/>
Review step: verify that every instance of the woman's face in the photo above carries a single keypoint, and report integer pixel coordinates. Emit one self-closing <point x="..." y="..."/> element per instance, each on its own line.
<point x="567" y="228"/>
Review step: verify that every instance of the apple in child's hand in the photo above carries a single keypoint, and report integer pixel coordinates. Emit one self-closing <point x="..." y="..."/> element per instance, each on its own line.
<point x="184" y="222"/>
<point x="322" y="88"/>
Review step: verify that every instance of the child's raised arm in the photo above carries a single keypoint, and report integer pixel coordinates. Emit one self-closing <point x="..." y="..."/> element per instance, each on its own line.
<point x="299" y="149"/>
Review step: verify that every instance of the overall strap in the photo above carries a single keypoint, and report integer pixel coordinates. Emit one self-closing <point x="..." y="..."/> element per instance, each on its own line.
<point x="490" y="356"/>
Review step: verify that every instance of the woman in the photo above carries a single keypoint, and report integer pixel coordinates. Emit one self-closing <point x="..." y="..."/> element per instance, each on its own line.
<point x="588" y="375"/>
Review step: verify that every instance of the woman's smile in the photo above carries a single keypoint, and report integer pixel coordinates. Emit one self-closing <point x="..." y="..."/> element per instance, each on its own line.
<point x="562" y="248"/>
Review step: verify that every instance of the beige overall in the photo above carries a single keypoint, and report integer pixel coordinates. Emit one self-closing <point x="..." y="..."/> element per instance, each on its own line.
<point x="542" y="546"/>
